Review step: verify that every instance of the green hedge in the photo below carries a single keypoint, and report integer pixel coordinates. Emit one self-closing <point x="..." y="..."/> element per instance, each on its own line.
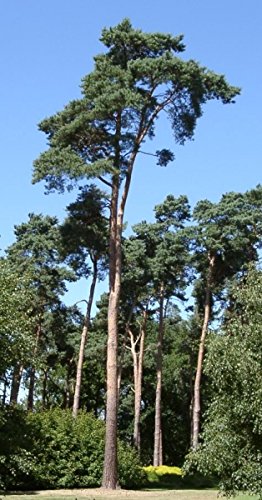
<point x="51" y="449"/>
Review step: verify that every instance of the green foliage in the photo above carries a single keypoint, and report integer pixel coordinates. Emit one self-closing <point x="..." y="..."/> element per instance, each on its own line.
<point x="137" y="78"/>
<point x="85" y="232"/>
<point x="16" y="444"/>
<point x="69" y="452"/>
<point x="51" y="449"/>
<point x="232" y="445"/>
<point x="229" y="231"/>
<point x="36" y="251"/>
<point x="15" y="315"/>
<point x="130" y="470"/>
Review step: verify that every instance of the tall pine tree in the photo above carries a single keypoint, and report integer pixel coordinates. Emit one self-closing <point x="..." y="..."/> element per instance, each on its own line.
<point x="138" y="78"/>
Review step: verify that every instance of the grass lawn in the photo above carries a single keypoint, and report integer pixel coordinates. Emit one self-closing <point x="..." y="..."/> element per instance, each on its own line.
<point x="99" y="494"/>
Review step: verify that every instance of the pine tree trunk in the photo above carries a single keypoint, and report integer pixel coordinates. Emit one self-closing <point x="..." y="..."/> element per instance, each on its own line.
<point x="16" y="381"/>
<point x="158" y="450"/>
<point x="31" y="389"/>
<point x="110" y="460"/>
<point x="83" y="341"/>
<point x="138" y="384"/>
<point x="196" y="414"/>
<point x="110" y="477"/>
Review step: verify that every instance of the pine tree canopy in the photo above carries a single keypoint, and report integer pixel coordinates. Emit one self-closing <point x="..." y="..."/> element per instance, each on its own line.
<point x="138" y="76"/>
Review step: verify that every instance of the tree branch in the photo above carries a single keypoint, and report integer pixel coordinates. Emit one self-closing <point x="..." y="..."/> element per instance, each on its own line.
<point x="105" y="181"/>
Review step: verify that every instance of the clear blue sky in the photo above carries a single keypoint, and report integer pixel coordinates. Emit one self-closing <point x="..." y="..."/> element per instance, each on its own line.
<point x="46" y="46"/>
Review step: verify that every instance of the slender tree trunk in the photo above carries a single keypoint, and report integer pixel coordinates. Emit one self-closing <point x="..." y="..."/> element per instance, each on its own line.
<point x="138" y="377"/>
<point x="123" y="348"/>
<point x="16" y="381"/>
<point x="158" y="449"/>
<point x="44" y="388"/>
<point x="197" y="386"/>
<point x="83" y="341"/>
<point x="30" y="398"/>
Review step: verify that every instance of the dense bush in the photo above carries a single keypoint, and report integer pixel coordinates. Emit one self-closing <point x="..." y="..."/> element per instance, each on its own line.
<point x="165" y="476"/>
<point x="51" y="449"/>
<point x="16" y="457"/>
<point x="68" y="451"/>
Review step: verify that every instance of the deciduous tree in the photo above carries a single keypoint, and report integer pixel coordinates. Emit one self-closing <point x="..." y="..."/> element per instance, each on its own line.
<point x="232" y="446"/>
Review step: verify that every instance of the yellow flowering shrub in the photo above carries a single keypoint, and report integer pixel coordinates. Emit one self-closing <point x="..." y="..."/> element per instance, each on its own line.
<point x="155" y="474"/>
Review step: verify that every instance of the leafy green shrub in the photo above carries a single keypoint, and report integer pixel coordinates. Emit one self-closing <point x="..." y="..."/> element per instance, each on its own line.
<point x="131" y="474"/>
<point x="69" y="452"/>
<point x="51" y="449"/>
<point x="16" y="457"/>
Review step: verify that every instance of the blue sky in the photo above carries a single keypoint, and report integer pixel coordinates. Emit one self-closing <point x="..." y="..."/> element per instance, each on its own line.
<point x="46" y="46"/>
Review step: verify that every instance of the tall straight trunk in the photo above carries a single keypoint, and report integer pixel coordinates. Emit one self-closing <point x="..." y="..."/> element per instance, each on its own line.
<point x="158" y="448"/>
<point x="196" y="413"/>
<point x="16" y="381"/>
<point x="81" y="354"/>
<point x="138" y="358"/>
<point x="110" y="476"/>
<point x="31" y="389"/>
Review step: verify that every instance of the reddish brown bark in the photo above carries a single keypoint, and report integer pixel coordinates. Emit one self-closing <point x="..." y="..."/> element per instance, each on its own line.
<point x="110" y="460"/>
<point x="115" y="261"/>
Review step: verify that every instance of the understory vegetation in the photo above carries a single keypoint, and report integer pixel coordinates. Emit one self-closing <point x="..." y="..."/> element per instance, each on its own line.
<point x="52" y="449"/>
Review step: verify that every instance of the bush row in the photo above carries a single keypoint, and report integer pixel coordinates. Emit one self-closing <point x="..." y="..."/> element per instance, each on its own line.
<point x="51" y="449"/>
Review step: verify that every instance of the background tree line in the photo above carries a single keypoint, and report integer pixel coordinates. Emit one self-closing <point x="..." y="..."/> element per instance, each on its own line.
<point x="172" y="292"/>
